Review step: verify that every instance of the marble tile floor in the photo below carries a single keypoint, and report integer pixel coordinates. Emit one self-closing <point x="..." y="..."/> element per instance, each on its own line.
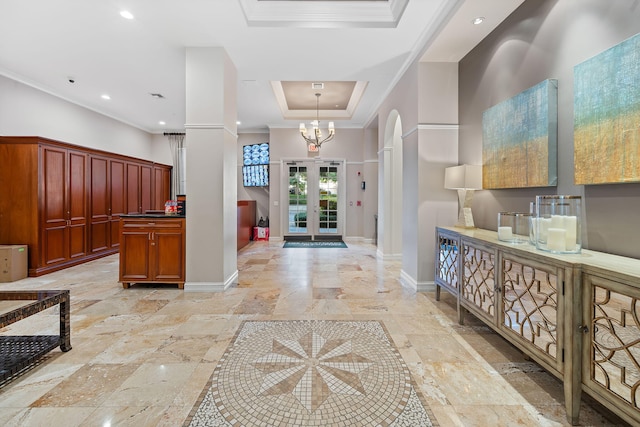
<point x="142" y="356"/>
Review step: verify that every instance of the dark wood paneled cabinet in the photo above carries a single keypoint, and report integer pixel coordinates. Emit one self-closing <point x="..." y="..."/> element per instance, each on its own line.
<point x="64" y="205"/>
<point x="246" y="221"/>
<point x="65" y="201"/>
<point x="107" y="202"/>
<point x="152" y="250"/>
<point x="138" y="189"/>
<point x="161" y="186"/>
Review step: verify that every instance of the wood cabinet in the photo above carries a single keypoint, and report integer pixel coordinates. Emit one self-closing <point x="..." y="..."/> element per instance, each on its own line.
<point x="575" y="314"/>
<point x="152" y="250"/>
<point x="63" y="190"/>
<point x="161" y="186"/>
<point x="65" y="201"/>
<point x="246" y="222"/>
<point x="107" y="202"/>
<point x="138" y="188"/>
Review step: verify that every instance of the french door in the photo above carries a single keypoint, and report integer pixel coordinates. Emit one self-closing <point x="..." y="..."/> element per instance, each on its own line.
<point x="315" y="206"/>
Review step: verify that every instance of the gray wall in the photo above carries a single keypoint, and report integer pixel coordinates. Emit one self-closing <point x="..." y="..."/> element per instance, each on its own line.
<point x="545" y="39"/>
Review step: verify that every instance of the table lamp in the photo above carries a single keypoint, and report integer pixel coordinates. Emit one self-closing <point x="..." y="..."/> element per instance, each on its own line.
<point x="465" y="179"/>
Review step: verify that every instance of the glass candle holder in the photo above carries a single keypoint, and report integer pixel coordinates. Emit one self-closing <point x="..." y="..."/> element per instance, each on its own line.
<point x="557" y="224"/>
<point x="513" y="227"/>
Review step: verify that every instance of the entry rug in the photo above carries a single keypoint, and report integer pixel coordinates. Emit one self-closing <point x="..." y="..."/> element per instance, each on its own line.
<point x="311" y="373"/>
<point x="314" y="244"/>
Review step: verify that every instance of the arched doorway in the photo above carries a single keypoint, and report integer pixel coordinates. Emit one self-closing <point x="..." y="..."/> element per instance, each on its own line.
<point x="390" y="192"/>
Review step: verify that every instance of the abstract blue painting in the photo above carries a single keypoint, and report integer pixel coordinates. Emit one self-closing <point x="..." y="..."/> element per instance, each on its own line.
<point x="606" y="108"/>
<point x="519" y="139"/>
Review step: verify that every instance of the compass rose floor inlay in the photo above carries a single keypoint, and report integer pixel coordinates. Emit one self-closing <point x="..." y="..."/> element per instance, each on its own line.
<point x="311" y="373"/>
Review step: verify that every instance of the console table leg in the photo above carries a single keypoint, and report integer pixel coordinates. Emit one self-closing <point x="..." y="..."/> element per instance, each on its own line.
<point x="572" y="396"/>
<point x="437" y="293"/>
<point x="65" y="324"/>
<point x="461" y="312"/>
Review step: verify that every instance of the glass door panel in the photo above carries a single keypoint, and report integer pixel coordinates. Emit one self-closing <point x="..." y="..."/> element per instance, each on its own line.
<point x="297" y="214"/>
<point x="314" y="205"/>
<point x="328" y="200"/>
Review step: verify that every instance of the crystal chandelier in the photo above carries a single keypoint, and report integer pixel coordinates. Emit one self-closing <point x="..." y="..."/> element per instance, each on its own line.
<point x="316" y="137"/>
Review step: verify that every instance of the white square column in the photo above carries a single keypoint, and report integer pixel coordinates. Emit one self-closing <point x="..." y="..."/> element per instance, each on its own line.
<point x="211" y="139"/>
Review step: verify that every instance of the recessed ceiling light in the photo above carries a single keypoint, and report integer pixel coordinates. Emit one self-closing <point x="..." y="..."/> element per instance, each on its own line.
<point x="238" y="122"/>
<point x="479" y="20"/>
<point x="161" y="123"/>
<point x="105" y="96"/>
<point x="126" y="14"/>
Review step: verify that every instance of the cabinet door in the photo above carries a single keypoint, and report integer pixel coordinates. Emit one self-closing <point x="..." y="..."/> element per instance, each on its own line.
<point x="77" y="204"/>
<point x="134" y="255"/>
<point x="167" y="251"/>
<point x="117" y="199"/>
<point x="133" y="188"/>
<point x="146" y="175"/>
<point x="99" y="193"/>
<point x="161" y="186"/>
<point x="478" y="287"/>
<point x="54" y="209"/>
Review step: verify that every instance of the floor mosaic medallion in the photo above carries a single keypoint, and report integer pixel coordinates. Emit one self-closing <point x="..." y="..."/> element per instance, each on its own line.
<point x="310" y="373"/>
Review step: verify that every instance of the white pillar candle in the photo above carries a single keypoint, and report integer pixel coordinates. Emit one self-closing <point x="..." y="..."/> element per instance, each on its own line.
<point x="556" y="239"/>
<point x="557" y="221"/>
<point x="543" y="227"/>
<point x="571" y="226"/>
<point x="533" y="230"/>
<point x="505" y="233"/>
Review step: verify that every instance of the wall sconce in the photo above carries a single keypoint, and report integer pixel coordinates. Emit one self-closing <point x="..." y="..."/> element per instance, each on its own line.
<point x="466" y="179"/>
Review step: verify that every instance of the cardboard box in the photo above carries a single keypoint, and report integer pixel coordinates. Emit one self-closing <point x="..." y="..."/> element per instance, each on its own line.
<point x="13" y="262"/>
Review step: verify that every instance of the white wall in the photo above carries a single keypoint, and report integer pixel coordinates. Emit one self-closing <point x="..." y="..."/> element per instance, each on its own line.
<point x="160" y="150"/>
<point x="25" y="111"/>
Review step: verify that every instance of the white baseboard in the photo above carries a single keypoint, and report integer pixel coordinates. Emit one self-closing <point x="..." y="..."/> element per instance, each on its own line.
<point x="211" y="286"/>
<point x="352" y="239"/>
<point x="426" y="286"/>
<point x="358" y="239"/>
<point x="388" y="257"/>
<point x="408" y="281"/>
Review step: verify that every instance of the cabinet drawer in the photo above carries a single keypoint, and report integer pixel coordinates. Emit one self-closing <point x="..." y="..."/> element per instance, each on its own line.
<point x="151" y="224"/>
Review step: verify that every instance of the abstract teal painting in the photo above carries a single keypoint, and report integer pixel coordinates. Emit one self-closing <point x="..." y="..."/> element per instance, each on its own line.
<point x="520" y="139"/>
<point x="606" y="131"/>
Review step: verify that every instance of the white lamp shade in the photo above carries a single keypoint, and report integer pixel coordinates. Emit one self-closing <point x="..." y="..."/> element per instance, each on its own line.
<point x="463" y="177"/>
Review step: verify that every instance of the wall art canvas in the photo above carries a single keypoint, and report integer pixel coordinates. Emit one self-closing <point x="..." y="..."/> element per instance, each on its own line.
<point x="520" y="139"/>
<point x="607" y="116"/>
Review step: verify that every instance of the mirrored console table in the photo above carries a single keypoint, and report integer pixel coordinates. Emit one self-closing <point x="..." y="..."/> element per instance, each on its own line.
<point x="577" y="315"/>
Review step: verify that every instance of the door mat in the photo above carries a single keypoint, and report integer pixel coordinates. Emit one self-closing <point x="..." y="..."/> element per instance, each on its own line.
<point x="314" y="244"/>
<point x="311" y="372"/>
